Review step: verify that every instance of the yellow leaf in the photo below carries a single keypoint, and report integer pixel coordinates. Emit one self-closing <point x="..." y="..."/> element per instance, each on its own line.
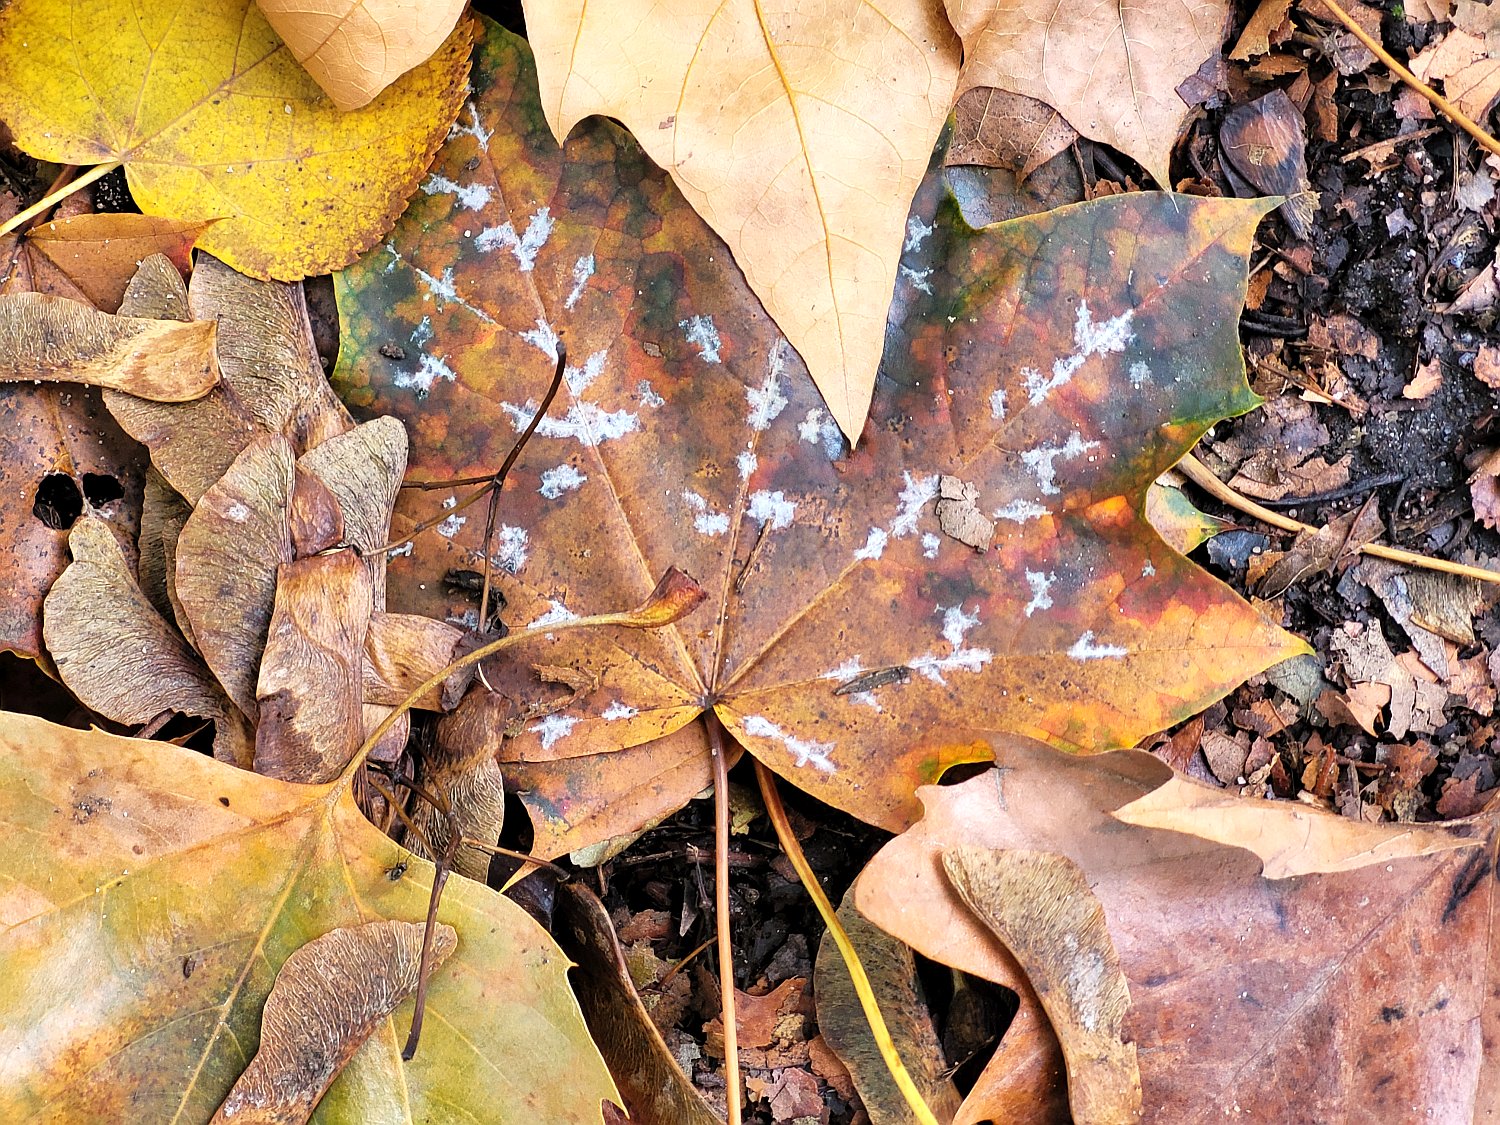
<point x="356" y="48"/>
<point x="214" y="119"/>
<point x="798" y="132"/>
<point x="1111" y="69"/>
<point x="150" y="900"/>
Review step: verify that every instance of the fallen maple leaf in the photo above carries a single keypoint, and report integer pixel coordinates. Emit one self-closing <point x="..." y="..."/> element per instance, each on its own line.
<point x="1111" y="69"/>
<point x="354" y="49"/>
<point x="214" y="119"/>
<point x="101" y="252"/>
<point x="134" y="993"/>
<point x="1058" y="363"/>
<point x="1289" y="1000"/>
<point x="799" y="134"/>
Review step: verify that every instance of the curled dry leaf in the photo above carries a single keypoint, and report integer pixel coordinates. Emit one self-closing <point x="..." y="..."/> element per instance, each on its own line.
<point x="299" y="188"/>
<point x="1116" y="319"/>
<point x="841" y="105"/>
<point x="354" y="49"/>
<point x="227" y="557"/>
<point x="119" y="656"/>
<point x="1245" y="992"/>
<point x="402" y="651"/>
<point x="1177" y="520"/>
<point x="138" y="988"/>
<point x="460" y="769"/>
<point x="102" y="252"/>
<point x="1289" y="837"/>
<point x="314" y="518"/>
<point x="1265" y="145"/>
<point x="329" y="997"/>
<point x="655" y="1089"/>
<point x="1041" y="907"/>
<point x="163" y="512"/>
<point x="55" y="340"/>
<point x="309" y="695"/>
<point x="841" y="1021"/>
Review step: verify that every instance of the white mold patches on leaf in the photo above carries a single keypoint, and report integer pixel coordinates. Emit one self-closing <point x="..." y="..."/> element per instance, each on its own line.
<point x="1042" y="460"/>
<point x="556" y="614"/>
<point x="405" y="549"/>
<point x="706" y="521"/>
<point x="451" y="526"/>
<point x="648" y="396"/>
<point x="916" y="233"/>
<point x="553" y="728"/>
<point x="806" y="752"/>
<point x="1088" y="339"/>
<point x="747" y="462"/>
<point x="563" y="478"/>
<point x="1019" y="511"/>
<point x="1140" y="374"/>
<point x="429" y="370"/>
<point x="1086" y="648"/>
<point x="766" y="401"/>
<point x="997" y="405"/>
<point x="524" y="247"/>
<point x="918" y="278"/>
<point x="818" y="426"/>
<point x="847" y="671"/>
<point x="422" y="332"/>
<point x="930" y="545"/>
<point x="444" y="292"/>
<point x="915" y="495"/>
<point x="702" y="334"/>
<point x="961" y="658"/>
<point x="771" y="509"/>
<point x="617" y="711"/>
<point x="472" y="197"/>
<point x="473" y="129"/>
<point x="1040" y="583"/>
<point x="584" y="422"/>
<point x="583" y="269"/>
<point x="512" y="548"/>
<point x="874" y="544"/>
<point x="1148" y="571"/>
<point x="543" y="338"/>
<point x="580" y="379"/>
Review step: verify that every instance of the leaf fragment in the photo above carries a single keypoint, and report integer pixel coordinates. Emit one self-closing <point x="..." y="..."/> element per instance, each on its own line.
<point x="403" y="650"/>
<point x="327" y="1000"/>
<point x="56" y="340"/>
<point x="460" y="769"/>
<point x="1041" y="907"/>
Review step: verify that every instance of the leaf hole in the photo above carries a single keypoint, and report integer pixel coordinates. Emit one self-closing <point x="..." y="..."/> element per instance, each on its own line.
<point x="100" y="489"/>
<point x="59" y="502"/>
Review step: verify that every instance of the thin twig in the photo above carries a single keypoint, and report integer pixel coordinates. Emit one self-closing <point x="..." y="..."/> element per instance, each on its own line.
<point x="1454" y="114"/>
<point x="53" y="198"/>
<point x="1198" y="473"/>
<point x="878" y="1029"/>
<point x="732" y="1095"/>
<point x="443" y="864"/>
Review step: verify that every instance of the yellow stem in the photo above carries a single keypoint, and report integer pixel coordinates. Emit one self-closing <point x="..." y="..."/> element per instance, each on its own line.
<point x="862" y="989"/>
<point x="733" y="1098"/>
<point x="1197" y="472"/>
<point x="1456" y="115"/>
<point x="52" y="199"/>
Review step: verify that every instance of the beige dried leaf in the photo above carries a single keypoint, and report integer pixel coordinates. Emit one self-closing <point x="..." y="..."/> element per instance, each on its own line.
<point x="119" y="656"/>
<point x="1111" y="69"/>
<point x="311" y="716"/>
<point x="55" y="340"/>
<point x="1006" y="130"/>
<point x="354" y="49"/>
<point x="798" y="132"/>
<point x="328" y="997"/>
<point x="460" y="767"/>
<point x="1289" y="837"/>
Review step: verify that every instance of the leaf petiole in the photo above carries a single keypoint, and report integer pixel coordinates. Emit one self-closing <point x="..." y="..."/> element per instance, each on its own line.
<point x="53" y="198"/>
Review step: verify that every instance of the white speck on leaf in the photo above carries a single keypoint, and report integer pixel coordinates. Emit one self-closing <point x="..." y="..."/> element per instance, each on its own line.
<point x="772" y="509"/>
<point x="512" y="548"/>
<point x="429" y="370"/>
<point x="767" y="401"/>
<point x="1040" y="583"/>
<point x="930" y="545"/>
<point x="874" y="545"/>
<point x="618" y="710"/>
<point x="470" y="196"/>
<point x="1041" y="460"/>
<point x="583" y="269"/>
<point x="707" y="521"/>
<point x="748" y="463"/>
<point x="525" y="247"/>
<point x="805" y="751"/>
<point x="997" y="405"/>
<point x="563" y="478"/>
<point x="702" y="334"/>
<point x="556" y="614"/>
<point x="553" y="727"/>
<point x="1086" y="648"/>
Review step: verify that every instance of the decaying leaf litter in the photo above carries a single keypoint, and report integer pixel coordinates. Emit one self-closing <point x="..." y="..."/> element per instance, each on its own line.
<point x="298" y="648"/>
